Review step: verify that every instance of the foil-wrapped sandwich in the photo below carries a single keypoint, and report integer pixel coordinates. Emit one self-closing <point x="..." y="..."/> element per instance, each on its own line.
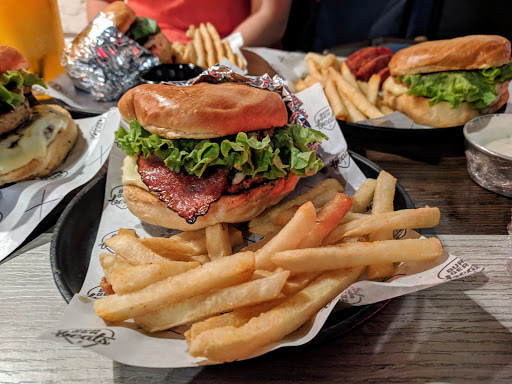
<point x="108" y="56"/>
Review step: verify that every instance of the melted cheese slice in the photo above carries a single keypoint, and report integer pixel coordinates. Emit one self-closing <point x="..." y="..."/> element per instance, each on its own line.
<point x="131" y="175"/>
<point x="31" y="142"/>
<point x="396" y="89"/>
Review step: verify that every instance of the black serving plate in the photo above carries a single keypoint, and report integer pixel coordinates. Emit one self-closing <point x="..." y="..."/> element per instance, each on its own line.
<point x="75" y="236"/>
<point x="170" y="72"/>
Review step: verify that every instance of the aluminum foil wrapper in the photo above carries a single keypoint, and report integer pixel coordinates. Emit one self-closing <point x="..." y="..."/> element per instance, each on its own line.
<point x="221" y="74"/>
<point x="103" y="61"/>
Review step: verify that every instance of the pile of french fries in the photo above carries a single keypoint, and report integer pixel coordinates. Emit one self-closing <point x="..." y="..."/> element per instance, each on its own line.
<point x="205" y="48"/>
<point x="314" y="246"/>
<point x="350" y="99"/>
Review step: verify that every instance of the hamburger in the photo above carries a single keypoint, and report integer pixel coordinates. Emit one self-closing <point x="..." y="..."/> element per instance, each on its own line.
<point x="34" y="139"/>
<point x="143" y="30"/>
<point x="446" y="83"/>
<point x="210" y="153"/>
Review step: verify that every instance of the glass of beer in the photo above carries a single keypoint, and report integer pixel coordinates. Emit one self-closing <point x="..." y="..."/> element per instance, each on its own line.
<point x="34" y="28"/>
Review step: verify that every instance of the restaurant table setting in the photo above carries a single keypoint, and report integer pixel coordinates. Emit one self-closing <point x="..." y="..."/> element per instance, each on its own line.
<point x="447" y="320"/>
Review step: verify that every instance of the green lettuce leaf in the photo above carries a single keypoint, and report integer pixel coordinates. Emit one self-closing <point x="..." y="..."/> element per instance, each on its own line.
<point x="142" y="28"/>
<point x="273" y="156"/>
<point x="17" y="79"/>
<point x="476" y="86"/>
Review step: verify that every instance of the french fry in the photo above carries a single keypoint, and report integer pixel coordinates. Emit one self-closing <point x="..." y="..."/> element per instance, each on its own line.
<point x="208" y="45"/>
<point x="313" y="70"/>
<point x="357" y="254"/>
<point x="300" y="85"/>
<point x="183" y="244"/>
<point x="213" y="303"/>
<point x="220" y="273"/>
<point x="130" y="248"/>
<point x="230" y="343"/>
<point x="363" y="196"/>
<point x="313" y="194"/>
<point x="348" y="75"/>
<point x="229" y="52"/>
<point x="240" y="61"/>
<point x="298" y="282"/>
<point x="218" y="242"/>
<point x="373" y="89"/>
<point x="317" y="58"/>
<point x="351" y="216"/>
<point x="265" y="229"/>
<point x="110" y="263"/>
<point x="386" y="110"/>
<point x="328" y="60"/>
<point x="192" y="55"/>
<point x="354" y="95"/>
<point x="289" y="237"/>
<point x="310" y="80"/>
<point x="190" y="31"/>
<point x="363" y="86"/>
<point x="382" y="203"/>
<point x="353" y="113"/>
<point x="217" y="43"/>
<point x="199" y="49"/>
<point x="326" y="219"/>
<point x="140" y="276"/>
<point x="338" y="108"/>
<point x="259" y="244"/>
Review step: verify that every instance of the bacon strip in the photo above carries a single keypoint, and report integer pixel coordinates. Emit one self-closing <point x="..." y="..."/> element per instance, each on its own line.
<point x="187" y="195"/>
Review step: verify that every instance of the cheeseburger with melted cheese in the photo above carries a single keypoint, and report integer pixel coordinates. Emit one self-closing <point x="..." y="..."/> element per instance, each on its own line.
<point x="34" y="139"/>
<point x="210" y="153"/>
<point x="446" y="83"/>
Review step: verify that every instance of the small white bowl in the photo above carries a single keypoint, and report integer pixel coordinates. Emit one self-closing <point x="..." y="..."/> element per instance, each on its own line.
<point x="489" y="152"/>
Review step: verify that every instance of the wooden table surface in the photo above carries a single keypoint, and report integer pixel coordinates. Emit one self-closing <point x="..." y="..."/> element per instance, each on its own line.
<point x="458" y="332"/>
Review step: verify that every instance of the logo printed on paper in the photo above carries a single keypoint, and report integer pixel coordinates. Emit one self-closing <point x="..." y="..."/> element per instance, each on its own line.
<point x="342" y="160"/>
<point x="55" y="175"/>
<point x="96" y="293"/>
<point x="87" y="337"/>
<point x="455" y="269"/>
<point x="98" y="128"/>
<point x="116" y="197"/>
<point x="324" y="119"/>
<point x="352" y="296"/>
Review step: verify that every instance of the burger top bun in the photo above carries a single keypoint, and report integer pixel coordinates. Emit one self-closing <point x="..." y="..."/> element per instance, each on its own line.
<point x="203" y="110"/>
<point x="121" y="14"/>
<point x="11" y="60"/>
<point x="461" y="53"/>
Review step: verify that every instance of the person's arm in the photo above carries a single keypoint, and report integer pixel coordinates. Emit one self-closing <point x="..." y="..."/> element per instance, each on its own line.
<point x="266" y="24"/>
<point x="96" y="6"/>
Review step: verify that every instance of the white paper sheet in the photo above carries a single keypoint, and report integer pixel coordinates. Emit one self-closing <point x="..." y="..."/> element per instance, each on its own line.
<point x="25" y="204"/>
<point x="80" y="325"/>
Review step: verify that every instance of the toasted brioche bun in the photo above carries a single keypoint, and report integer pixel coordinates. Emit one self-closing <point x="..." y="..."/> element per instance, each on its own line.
<point x="228" y="209"/>
<point x="440" y="115"/>
<point x="121" y="14"/>
<point x="11" y="59"/>
<point x="461" y="53"/>
<point x="203" y="110"/>
<point x="56" y="151"/>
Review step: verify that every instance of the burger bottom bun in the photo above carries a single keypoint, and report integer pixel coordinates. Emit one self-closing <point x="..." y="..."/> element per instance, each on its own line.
<point x="228" y="209"/>
<point x="55" y="153"/>
<point x="440" y="115"/>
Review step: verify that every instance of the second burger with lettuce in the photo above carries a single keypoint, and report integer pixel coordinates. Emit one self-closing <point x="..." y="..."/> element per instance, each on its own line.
<point x="210" y="153"/>
<point x="446" y="83"/>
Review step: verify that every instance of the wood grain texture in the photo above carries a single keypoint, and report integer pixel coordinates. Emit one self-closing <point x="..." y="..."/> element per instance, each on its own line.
<point x="458" y="332"/>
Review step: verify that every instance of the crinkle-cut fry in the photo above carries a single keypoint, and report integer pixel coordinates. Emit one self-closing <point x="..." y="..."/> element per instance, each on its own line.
<point x="358" y="254"/>
<point x="199" y="49"/>
<point x="326" y="186"/>
<point x="354" y="95"/>
<point x="326" y="219"/>
<point x="212" y="303"/>
<point x="140" y="276"/>
<point x="208" y="45"/>
<point x="219" y="48"/>
<point x="383" y="199"/>
<point x="289" y="237"/>
<point x="127" y="245"/>
<point x="363" y="196"/>
<point x="220" y="273"/>
<point x="231" y="343"/>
